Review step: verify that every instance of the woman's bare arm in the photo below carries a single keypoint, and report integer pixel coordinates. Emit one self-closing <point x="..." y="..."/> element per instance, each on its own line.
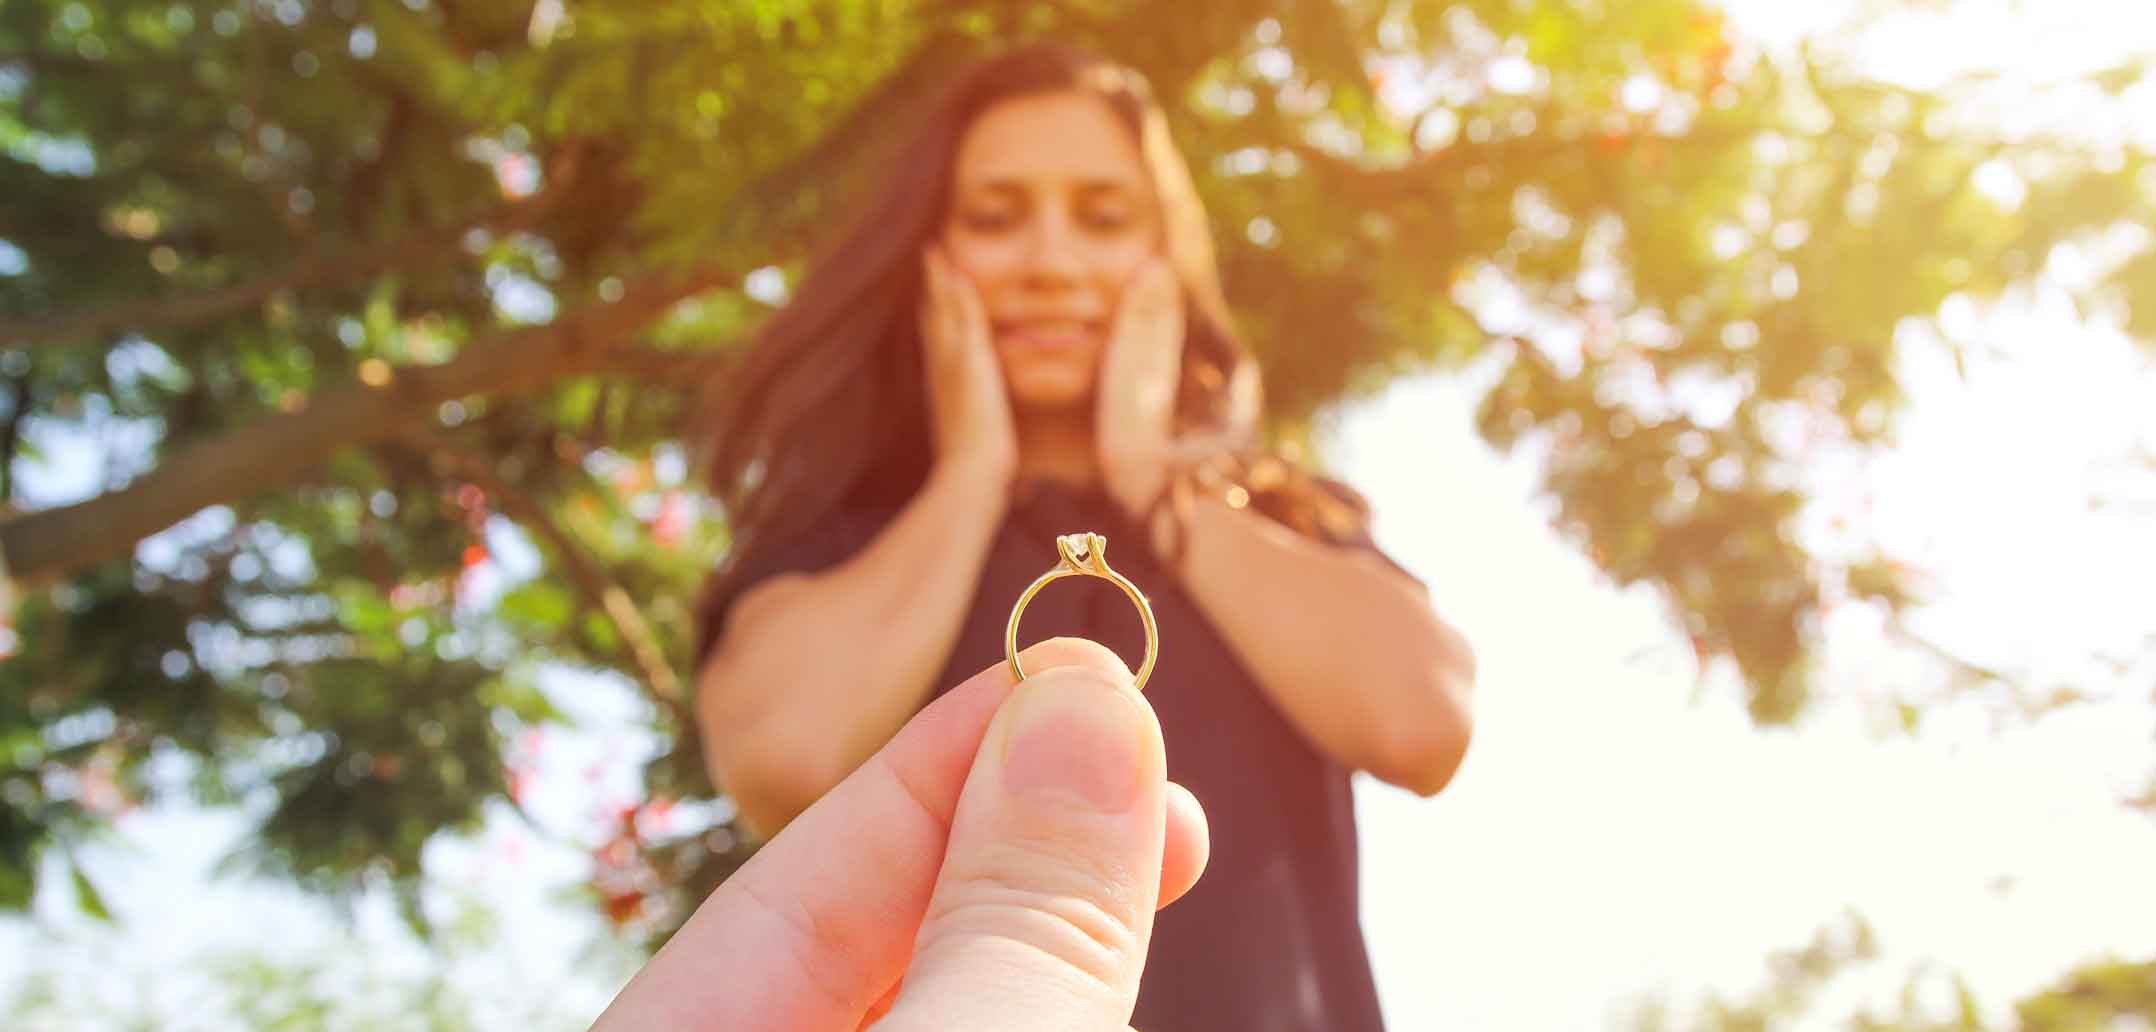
<point x="1349" y="648"/>
<point x="814" y="672"/>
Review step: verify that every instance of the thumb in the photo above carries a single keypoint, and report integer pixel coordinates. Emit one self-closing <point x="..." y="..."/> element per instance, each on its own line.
<point x="1044" y="906"/>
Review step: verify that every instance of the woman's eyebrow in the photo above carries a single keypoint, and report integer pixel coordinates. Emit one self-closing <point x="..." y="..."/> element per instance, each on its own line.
<point x="1022" y="185"/>
<point x="1119" y="186"/>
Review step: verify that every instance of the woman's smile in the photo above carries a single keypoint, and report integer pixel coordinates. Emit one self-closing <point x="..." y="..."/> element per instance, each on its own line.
<point x="1051" y="335"/>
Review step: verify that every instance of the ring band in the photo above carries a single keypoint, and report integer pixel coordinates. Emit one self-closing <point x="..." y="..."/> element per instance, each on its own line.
<point x="1085" y="555"/>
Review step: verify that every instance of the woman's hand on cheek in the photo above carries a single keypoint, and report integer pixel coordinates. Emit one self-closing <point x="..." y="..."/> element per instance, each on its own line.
<point x="969" y="410"/>
<point x="1135" y="421"/>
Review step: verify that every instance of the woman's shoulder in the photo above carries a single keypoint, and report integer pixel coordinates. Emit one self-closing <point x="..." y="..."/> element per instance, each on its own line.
<point x="1316" y="504"/>
<point x="777" y="548"/>
<point x="1292" y="493"/>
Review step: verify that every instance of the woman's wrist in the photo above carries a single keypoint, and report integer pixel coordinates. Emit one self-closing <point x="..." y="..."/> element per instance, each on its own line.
<point x="987" y="474"/>
<point x="1165" y="519"/>
<point x="1133" y="494"/>
<point x="977" y="485"/>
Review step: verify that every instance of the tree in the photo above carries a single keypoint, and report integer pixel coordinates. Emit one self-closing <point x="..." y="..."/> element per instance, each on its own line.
<point x="389" y="282"/>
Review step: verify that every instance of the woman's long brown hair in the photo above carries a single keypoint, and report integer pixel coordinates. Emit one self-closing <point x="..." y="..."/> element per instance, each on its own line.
<point x="828" y="407"/>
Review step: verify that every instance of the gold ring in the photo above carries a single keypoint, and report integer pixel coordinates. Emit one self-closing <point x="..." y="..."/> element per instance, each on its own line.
<point x="1085" y="555"/>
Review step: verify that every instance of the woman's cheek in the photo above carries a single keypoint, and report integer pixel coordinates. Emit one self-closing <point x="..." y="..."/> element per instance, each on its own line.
<point x="1128" y="254"/>
<point x="1123" y="266"/>
<point x="986" y="261"/>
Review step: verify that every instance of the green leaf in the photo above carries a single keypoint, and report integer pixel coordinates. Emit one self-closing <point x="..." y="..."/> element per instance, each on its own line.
<point x="363" y="608"/>
<point x="87" y="897"/>
<point x="542" y="605"/>
<point x="522" y="698"/>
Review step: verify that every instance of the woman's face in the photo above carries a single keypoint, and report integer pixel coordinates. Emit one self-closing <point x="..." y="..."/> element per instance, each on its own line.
<point x="1051" y="212"/>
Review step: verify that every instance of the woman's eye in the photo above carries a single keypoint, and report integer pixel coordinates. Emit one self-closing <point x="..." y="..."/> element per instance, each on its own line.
<point x="987" y="221"/>
<point x="1105" y="221"/>
<point x="1091" y="220"/>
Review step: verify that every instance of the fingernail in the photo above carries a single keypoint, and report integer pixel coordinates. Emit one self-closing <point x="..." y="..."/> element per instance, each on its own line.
<point x="1076" y="736"/>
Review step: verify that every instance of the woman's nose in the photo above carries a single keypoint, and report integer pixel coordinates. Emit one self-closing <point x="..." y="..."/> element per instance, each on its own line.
<point x="1052" y="251"/>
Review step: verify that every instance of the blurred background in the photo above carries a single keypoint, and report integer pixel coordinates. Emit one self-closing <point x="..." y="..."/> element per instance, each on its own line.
<point x="1765" y="388"/>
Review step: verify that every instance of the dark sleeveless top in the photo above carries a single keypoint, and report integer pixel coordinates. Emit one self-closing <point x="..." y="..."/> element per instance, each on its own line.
<point x="1269" y="940"/>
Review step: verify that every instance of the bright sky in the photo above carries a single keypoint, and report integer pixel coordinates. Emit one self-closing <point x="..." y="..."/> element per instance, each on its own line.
<point x="1611" y="835"/>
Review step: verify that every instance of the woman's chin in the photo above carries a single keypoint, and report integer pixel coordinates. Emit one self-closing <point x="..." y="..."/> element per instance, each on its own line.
<point x="1049" y="390"/>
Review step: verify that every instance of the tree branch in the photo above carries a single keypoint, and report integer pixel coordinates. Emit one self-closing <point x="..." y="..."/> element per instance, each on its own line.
<point x="323" y="266"/>
<point x="272" y="450"/>
<point x="1419" y="175"/>
<point x="685" y="370"/>
<point x="11" y="435"/>
<point x="643" y="646"/>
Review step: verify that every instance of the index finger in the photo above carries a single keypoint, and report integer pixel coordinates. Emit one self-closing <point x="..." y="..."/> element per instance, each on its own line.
<point x="821" y="921"/>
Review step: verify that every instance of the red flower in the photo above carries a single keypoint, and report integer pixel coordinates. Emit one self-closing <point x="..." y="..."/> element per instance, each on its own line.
<point x="672" y="521"/>
<point x="621" y="907"/>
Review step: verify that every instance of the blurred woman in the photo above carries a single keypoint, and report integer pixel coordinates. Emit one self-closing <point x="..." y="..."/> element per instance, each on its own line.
<point x="1024" y="335"/>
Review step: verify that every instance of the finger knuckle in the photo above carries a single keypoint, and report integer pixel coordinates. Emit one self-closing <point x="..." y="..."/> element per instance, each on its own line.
<point x="810" y="944"/>
<point x="1073" y="927"/>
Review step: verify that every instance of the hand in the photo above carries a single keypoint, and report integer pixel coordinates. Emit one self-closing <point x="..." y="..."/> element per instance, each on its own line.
<point x="970" y="414"/>
<point x="1140" y="374"/>
<point x="963" y="856"/>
